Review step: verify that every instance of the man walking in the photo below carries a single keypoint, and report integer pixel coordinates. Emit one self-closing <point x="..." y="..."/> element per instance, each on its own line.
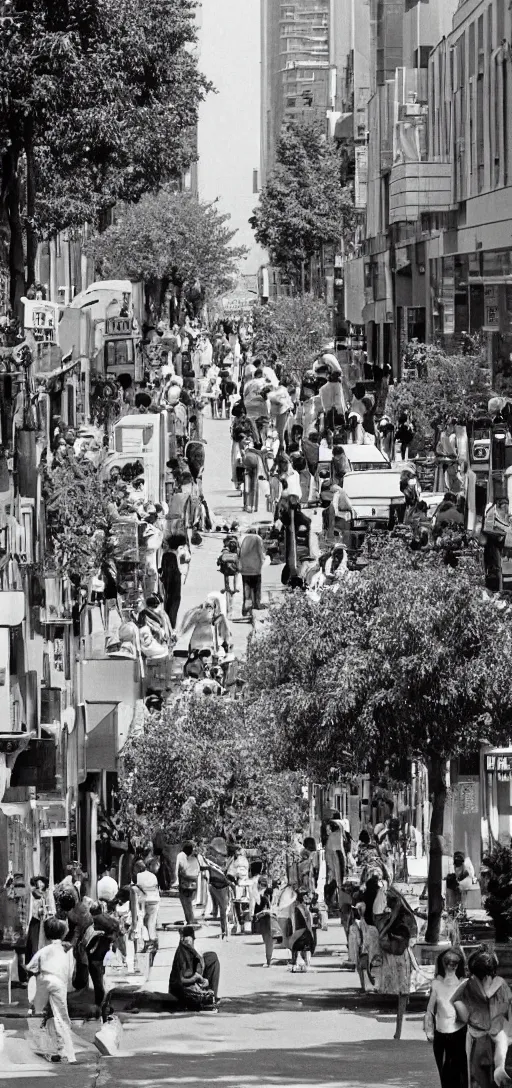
<point x="252" y="558"/>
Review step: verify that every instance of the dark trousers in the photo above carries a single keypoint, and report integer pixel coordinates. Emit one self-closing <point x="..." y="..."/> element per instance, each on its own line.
<point x="187" y="902"/>
<point x="252" y="592"/>
<point x="450" y="1056"/>
<point x="220" y="896"/>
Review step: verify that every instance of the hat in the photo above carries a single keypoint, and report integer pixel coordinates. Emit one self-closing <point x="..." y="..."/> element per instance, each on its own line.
<point x="188" y="931"/>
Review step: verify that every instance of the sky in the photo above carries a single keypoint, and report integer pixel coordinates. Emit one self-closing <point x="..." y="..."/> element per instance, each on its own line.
<point x="229" y="122"/>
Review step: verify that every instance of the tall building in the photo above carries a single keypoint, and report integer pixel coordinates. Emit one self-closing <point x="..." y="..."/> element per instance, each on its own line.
<point x="409" y="183"/>
<point x="296" y="67"/>
<point x="228" y="132"/>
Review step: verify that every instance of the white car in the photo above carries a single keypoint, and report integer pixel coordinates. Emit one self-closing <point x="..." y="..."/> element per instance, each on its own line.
<point x="366" y="458"/>
<point x="373" y="495"/>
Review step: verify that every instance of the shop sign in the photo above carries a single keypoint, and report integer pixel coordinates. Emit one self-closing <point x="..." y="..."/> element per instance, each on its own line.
<point x="492" y="311"/>
<point x="361" y="176"/>
<point x="118" y="326"/>
<point x="500" y="765"/>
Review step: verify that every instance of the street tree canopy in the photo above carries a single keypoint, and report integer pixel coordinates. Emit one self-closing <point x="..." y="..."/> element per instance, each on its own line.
<point x="303" y="205"/>
<point x="170" y="238"/>
<point x="80" y="518"/>
<point x="294" y="328"/>
<point x="406" y="658"/>
<point x="201" y="769"/>
<point x="98" y="101"/>
<point x="447" y="388"/>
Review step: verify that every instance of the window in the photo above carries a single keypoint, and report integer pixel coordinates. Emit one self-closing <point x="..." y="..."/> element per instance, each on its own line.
<point x="489" y="29"/>
<point x="506" y="149"/>
<point x="481" y="43"/>
<point x="424" y="53"/>
<point x="471" y="49"/>
<point x="500" y="21"/>
<point x="480" y="147"/>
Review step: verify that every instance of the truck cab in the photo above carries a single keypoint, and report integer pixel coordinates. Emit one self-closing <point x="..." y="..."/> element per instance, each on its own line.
<point x="116" y="346"/>
<point x="141" y="440"/>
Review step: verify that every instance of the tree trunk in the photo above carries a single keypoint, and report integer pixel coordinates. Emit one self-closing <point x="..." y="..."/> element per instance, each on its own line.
<point x="164" y="287"/>
<point x="31" y="203"/>
<point x="11" y="202"/>
<point x="437" y="775"/>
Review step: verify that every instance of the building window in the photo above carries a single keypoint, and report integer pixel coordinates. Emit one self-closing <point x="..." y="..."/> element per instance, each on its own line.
<point x="471" y="50"/>
<point x="500" y="21"/>
<point x="506" y="148"/>
<point x="480" y="147"/>
<point x="489" y="29"/>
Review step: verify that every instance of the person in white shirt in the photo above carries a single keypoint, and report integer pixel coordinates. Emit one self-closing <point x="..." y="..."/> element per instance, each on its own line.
<point x="107" y="888"/>
<point x="442" y="1025"/>
<point x="51" y="966"/>
<point x="149" y="894"/>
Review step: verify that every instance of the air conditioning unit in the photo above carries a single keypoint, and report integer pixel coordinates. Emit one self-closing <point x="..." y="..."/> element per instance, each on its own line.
<point x="411" y="109"/>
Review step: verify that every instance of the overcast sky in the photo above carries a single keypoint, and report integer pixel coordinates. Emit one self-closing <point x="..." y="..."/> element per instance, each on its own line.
<point x="229" y="127"/>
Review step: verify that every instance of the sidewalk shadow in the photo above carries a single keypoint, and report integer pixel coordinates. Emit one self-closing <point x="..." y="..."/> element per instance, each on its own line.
<point x="374" y="1063"/>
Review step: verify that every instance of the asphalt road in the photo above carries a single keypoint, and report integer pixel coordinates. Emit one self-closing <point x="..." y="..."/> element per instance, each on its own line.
<point x="274" y="1029"/>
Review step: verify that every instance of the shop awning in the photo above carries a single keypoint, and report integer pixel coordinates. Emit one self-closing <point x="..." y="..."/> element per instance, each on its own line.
<point x="345" y="127"/>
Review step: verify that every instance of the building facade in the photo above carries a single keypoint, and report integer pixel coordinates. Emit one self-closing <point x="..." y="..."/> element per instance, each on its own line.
<point x="436" y="258"/>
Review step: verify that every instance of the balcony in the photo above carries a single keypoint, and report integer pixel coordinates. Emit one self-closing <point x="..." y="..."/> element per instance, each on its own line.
<point x="419" y="187"/>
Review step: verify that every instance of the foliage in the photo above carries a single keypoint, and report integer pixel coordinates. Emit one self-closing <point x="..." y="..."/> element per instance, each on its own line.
<point x="169" y="236"/>
<point x="202" y="769"/>
<point x="498" y="903"/>
<point x="401" y="659"/>
<point x="295" y="328"/>
<point x="98" y="102"/>
<point x="303" y="205"/>
<point x="447" y="389"/>
<point x="80" y="518"/>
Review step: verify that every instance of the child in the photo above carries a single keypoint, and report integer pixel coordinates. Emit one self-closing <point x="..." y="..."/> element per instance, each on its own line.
<point x="50" y="964"/>
<point x="483" y="1003"/>
<point x="229" y="564"/>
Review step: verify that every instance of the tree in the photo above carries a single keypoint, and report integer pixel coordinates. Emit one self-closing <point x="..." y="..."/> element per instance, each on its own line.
<point x="295" y="328"/>
<point x="80" y="516"/>
<point x="97" y="103"/>
<point x="169" y="238"/>
<point x="303" y="205"/>
<point x="406" y="660"/>
<point x="201" y="769"/>
<point x="446" y="389"/>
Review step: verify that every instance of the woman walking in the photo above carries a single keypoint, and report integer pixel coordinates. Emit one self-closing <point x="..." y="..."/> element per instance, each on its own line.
<point x="442" y="1025"/>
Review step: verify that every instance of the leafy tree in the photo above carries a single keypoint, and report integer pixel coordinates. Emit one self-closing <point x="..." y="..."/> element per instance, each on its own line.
<point x="295" y="328"/>
<point x="98" y="102"/>
<point x="169" y="238"/>
<point x="201" y="769"/>
<point x="405" y="660"/>
<point x="448" y="388"/>
<point x="304" y="205"/>
<point x="80" y="517"/>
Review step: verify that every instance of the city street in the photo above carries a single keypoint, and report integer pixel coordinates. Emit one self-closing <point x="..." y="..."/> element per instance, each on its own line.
<point x="274" y="1029"/>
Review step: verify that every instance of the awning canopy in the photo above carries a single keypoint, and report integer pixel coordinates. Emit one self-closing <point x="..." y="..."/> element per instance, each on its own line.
<point x="345" y="127"/>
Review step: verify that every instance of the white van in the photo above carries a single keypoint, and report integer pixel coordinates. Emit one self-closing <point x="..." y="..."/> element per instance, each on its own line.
<point x="374" y="495"/>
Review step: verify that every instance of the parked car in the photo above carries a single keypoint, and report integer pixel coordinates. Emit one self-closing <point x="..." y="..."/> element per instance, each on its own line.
<point x="376" y="497"/>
